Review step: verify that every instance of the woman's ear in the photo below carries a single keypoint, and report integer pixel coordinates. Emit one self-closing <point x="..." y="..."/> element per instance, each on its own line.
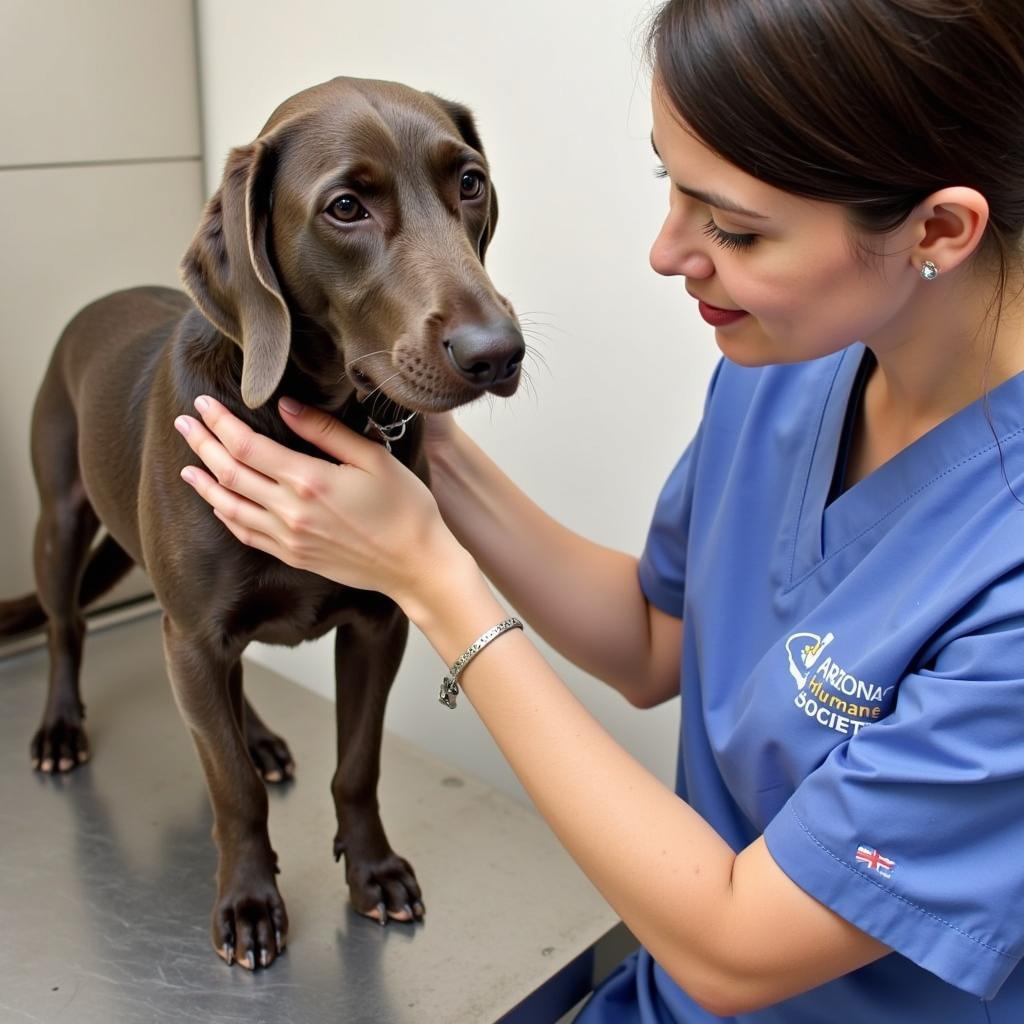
<point x="950" y="225"/>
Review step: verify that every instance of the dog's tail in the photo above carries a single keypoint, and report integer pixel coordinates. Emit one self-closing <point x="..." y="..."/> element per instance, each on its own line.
<point x="108" y="564"/>
<point x="21" y="615"/>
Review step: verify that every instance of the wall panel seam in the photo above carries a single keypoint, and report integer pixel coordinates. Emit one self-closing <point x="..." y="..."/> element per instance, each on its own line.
<point x="125" y="162"/>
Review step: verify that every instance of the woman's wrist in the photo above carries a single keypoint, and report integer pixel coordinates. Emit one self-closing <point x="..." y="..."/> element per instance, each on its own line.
<point x="450" y="601"/>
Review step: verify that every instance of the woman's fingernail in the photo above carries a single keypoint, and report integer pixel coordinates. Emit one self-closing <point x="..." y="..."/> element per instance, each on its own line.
<point x="290" y="406"/>
<point x="202" y="403"/>
<point x="182" y="425"/>
<point x="188" y="474"/>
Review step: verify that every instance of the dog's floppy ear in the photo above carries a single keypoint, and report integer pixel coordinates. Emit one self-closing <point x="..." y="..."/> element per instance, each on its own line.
<point x="228" y="273"/>
<point x="463" y="120"/>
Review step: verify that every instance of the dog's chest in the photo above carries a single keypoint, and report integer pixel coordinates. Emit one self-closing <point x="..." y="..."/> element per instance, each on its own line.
<point x="295" y="606"/>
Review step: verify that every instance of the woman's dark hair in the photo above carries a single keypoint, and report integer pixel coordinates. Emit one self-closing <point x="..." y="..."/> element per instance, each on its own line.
<point x="873" y="104"/>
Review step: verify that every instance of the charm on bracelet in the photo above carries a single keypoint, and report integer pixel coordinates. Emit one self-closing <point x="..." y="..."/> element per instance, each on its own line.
<point x="449" y="691"/>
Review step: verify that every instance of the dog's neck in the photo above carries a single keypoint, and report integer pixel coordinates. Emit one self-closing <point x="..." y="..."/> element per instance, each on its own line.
<point x="381" y="420"/>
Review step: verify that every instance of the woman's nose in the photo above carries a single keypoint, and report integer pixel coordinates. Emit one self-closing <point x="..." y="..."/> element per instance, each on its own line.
<point x="679" y="250"/>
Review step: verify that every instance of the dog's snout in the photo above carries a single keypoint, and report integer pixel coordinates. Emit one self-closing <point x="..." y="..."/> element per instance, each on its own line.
<point x="486" y="354"/>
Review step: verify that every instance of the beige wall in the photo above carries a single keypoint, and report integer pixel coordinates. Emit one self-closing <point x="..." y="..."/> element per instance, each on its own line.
<point x="623" y="361"/>
<point x="100" y="189"/>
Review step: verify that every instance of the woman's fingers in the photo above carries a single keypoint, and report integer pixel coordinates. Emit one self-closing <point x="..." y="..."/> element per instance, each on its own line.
<point x="234" y="475"/>
<point x="231" y="507"/>
<point x="251" y="524"/>
<point x="252" y="538"/>
<point x="302" y="473"/>
<point x="327" y="433"/>
<point x="260" y="453"/>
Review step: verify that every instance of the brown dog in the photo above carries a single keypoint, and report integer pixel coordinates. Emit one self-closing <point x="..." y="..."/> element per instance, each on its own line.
<point x="340" y="261"/>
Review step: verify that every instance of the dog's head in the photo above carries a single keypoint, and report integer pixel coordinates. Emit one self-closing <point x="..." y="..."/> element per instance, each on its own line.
<point x="349" y="237"/>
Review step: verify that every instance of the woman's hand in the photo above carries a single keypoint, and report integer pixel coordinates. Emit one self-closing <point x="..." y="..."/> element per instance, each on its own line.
<point x="367" y="522"/>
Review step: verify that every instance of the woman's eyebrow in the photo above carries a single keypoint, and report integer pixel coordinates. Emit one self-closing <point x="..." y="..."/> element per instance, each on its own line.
<point x="712" y="198"/>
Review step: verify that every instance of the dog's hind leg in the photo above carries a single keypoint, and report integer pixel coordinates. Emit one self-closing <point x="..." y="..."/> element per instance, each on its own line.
<point x="367" y="655"/>
<point x="64" y="534"/>
<point x="268" y="751"/>
<point x="249" y="923"/>
<point x="108" y="564"/>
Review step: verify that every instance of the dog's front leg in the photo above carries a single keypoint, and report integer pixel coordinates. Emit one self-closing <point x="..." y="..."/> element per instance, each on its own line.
<point x="367" y="655"/>
<point x="249" y="920"/>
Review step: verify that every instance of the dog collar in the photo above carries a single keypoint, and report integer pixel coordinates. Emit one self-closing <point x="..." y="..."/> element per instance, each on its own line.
<point x="390" y="431"/>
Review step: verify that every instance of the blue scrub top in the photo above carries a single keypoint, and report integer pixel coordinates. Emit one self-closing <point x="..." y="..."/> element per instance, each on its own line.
<point x="853" y="687"/>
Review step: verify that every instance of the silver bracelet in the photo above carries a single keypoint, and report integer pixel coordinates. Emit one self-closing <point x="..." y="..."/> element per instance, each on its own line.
<point x="450" y="684"/>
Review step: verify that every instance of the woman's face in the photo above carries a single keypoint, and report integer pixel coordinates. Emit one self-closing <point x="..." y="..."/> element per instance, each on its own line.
<point x="778" y="276"/>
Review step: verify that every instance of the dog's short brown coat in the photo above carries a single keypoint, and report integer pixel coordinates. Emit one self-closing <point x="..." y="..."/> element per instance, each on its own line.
<point x="341" y="262"/>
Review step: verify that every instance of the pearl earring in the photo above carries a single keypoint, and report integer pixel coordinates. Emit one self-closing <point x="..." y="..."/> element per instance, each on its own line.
<point x="929" y="271"/>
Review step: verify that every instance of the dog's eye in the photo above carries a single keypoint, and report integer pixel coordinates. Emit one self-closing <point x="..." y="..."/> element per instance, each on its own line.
<point x="472" y="185"/>
<point x="347" y="209"/>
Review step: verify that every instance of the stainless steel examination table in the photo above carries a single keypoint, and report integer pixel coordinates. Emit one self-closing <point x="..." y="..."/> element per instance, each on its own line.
<point x="106" y="875"/>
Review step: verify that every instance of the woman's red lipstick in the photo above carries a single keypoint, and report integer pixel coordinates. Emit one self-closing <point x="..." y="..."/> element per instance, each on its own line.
<point x="720" y="317"/>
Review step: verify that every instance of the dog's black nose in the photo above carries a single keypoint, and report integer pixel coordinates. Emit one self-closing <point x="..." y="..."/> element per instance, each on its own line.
<point x="486" y="354"/>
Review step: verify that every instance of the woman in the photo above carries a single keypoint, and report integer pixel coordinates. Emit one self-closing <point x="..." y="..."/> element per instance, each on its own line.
<point x="843" y="541"/>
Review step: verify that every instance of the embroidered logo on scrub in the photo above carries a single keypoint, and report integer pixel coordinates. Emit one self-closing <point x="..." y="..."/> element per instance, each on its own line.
<point x="826" y="692"/>
<point x="875" y="861"/>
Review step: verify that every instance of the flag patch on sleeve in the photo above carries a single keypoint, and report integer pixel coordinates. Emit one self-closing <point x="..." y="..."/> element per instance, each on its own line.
<point x="875" y="861"/>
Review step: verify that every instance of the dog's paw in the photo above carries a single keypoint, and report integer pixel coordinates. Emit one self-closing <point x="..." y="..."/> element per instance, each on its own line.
<point x="268" y="751"/>
<point x="272" y="758"/>
<point x="384" y="889"/>
<point x="59" y="745"/>
<point x="251" y="932"/>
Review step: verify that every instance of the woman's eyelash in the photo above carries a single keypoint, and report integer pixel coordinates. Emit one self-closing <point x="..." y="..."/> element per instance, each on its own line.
<point x="727" y="239"/>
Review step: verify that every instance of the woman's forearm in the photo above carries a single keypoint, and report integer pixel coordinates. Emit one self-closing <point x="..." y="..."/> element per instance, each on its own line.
<point x="709" y="917"/>
<point x="583" y="598"/>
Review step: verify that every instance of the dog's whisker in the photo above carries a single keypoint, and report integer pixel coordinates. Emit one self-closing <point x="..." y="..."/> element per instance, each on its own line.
<point x="359" y="359"/>
<point x="380" y="387"/>
<point x="529" y="318"/>
<point x="536" y="330"/>
<point x="538" y="359"/>
<point x="534" y="312"/>
<point x="536" y="336"/>
<point x="527" y="381"/>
